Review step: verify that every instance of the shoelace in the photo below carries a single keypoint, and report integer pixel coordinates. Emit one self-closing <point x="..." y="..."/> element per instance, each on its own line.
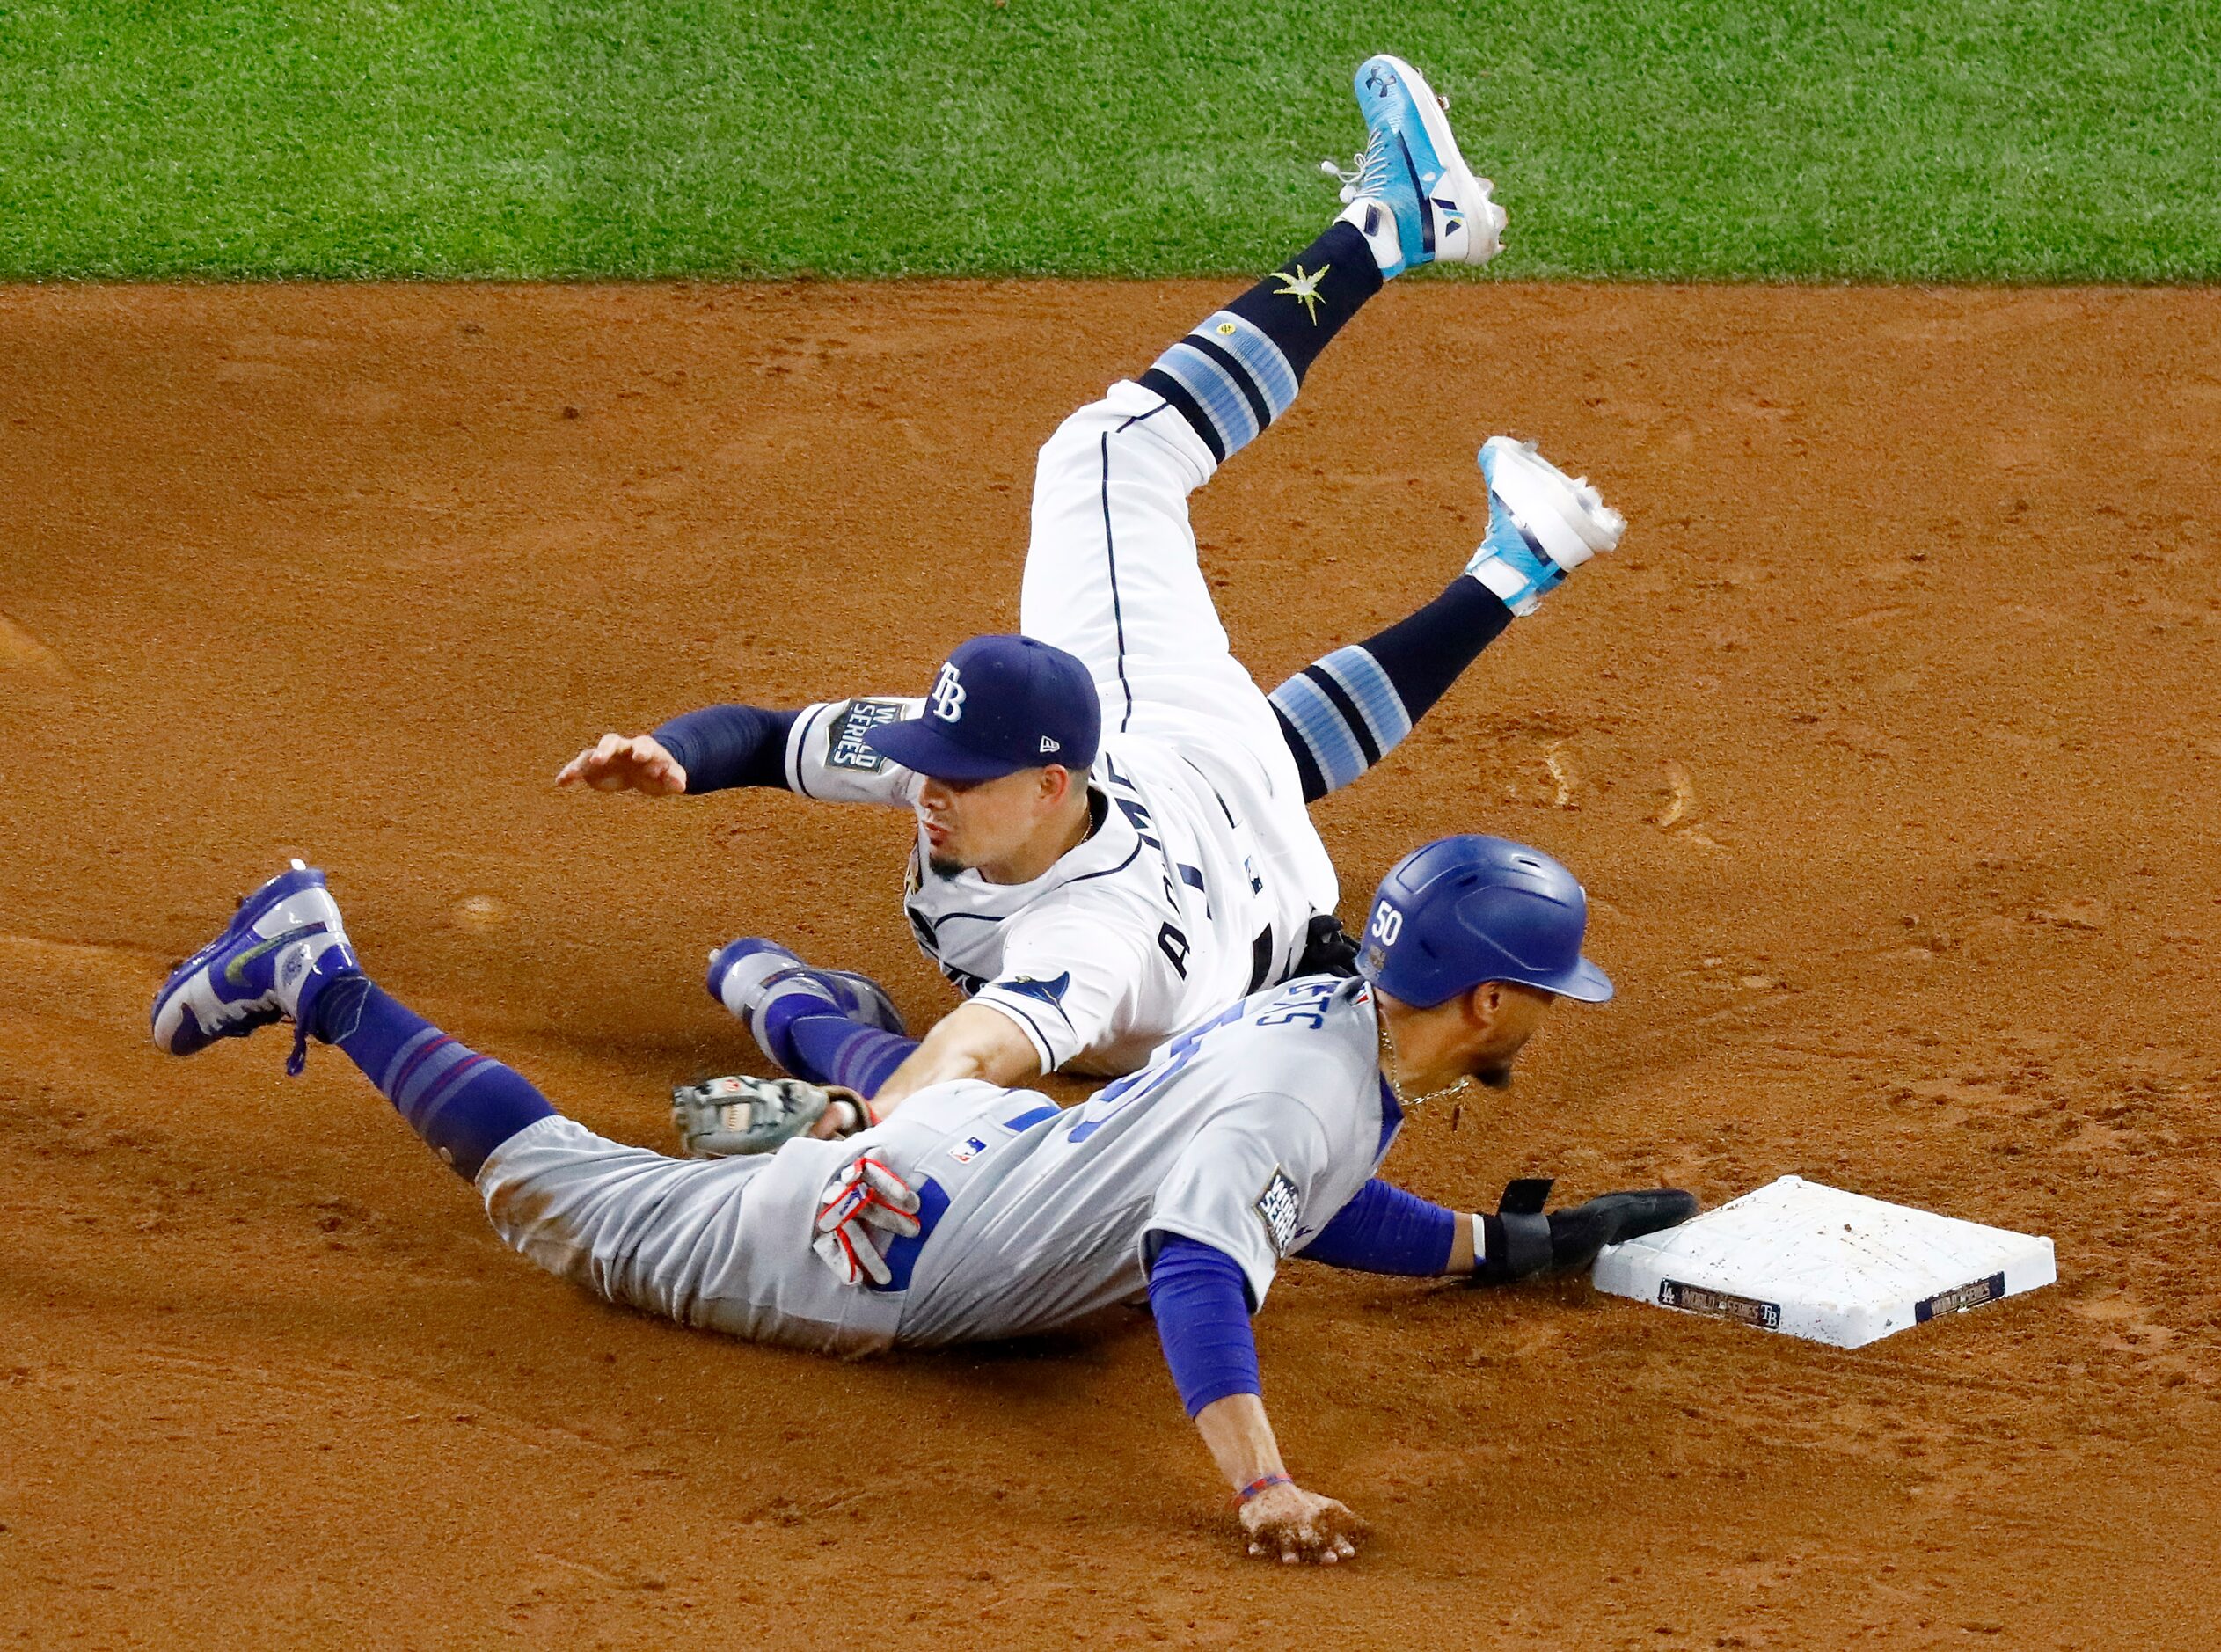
<point x="1368" y="173"/>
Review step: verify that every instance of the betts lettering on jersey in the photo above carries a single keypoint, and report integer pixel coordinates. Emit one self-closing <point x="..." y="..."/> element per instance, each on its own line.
<point x="948" y="695"/>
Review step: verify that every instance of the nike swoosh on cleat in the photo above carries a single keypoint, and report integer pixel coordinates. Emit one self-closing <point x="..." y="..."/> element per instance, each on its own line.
<point x="234" y="972"/>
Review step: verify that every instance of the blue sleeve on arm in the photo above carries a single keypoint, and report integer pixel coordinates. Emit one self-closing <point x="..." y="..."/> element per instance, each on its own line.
<point x="1385" y="1229"/>
<point x="722" y="746"/>
<point x="1201" y="1299"/>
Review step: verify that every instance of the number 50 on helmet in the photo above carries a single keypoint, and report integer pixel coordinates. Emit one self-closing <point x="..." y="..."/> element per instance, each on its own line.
<point x="1466" y="910"/>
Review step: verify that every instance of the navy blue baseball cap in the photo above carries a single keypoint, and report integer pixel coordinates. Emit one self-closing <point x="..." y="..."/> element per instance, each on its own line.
<point x="998" y="705"/>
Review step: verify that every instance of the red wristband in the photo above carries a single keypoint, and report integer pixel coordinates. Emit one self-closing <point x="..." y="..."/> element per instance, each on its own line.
<point x="1264" y="1483"/>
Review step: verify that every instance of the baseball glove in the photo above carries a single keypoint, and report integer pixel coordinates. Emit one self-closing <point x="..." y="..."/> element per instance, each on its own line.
<point x="722" y="1118"/>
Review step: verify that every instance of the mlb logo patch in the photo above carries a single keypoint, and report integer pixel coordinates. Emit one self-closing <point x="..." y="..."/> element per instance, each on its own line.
<point x="966" y="1150"/>
<point x="1276" y="1206"/>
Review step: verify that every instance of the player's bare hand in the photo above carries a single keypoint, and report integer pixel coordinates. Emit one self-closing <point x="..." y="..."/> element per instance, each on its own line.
<point x="1294" y="1525"/>
<point x="618" y="762"/>
<point x="847" y="1114"/>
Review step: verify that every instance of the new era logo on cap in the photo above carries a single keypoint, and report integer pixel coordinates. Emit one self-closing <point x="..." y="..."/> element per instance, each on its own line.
<point x="998" y="705"/>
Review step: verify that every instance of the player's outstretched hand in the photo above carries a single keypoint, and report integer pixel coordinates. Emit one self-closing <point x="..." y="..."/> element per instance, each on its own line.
<point x="1524" y="1242"/>
<point x="1294" y="1525"/>
<point x="1578" y="1232"/>
<point x="616" y="763"/>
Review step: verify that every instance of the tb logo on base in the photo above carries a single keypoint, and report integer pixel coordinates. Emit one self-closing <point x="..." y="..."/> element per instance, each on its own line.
<point x="947" y="697"/>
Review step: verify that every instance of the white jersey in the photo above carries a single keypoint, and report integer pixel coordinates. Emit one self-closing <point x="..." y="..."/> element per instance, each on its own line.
<point x="1247" y="1135"/>
<point x="1175" y="905"/>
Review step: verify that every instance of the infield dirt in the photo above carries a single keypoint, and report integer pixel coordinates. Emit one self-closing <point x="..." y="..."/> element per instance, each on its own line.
<point x="1887" y="746"/>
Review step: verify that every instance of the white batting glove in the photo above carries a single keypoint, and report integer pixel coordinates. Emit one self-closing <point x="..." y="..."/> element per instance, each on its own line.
<point x="866" y="1195"/>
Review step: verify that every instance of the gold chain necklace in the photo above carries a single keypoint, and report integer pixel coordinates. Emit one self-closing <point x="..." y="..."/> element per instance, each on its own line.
<point x="1392" y="1065"/>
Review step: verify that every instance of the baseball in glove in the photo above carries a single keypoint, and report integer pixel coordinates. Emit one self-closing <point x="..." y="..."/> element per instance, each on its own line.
<point x="722" y="1118"/>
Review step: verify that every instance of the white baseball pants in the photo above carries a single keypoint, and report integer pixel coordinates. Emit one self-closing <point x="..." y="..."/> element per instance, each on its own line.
<point x="1112" y="575"/>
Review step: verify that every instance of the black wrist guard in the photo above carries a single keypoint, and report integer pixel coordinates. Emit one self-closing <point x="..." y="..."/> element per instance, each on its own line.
<point x="1517" y="1238"/>
<point x="1519" y="1241"/>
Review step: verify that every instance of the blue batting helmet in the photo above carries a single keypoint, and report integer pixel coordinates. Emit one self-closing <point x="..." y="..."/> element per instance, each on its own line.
<point x="1463" y="911"/>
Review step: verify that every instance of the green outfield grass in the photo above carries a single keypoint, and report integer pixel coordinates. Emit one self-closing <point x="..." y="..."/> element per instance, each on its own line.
<point x="1949" y="139"/>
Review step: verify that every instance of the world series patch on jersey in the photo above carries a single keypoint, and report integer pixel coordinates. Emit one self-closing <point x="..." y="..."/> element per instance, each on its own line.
<point x="1279" y="1209"/>
<point x="844" y="746"/>
<point x="1170" y="909"/>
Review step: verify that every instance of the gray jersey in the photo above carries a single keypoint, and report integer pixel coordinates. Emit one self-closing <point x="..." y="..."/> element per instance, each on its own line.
<point x="1246" y="1134"/>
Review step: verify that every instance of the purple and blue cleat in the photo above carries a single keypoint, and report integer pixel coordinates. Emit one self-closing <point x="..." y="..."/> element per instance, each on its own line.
<point x="283" y="945"/>
<point x="749" y="975"/>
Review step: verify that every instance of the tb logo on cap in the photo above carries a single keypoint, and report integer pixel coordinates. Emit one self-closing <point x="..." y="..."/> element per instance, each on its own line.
<point x="948" y="695"/>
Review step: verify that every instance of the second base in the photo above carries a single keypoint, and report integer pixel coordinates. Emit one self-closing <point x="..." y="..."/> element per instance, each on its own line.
<point x="1833" y="1267"/>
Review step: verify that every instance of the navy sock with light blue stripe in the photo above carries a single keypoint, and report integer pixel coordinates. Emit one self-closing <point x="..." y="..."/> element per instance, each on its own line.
<point x="1240" y="368"/>
<point x="463" y="1105"/>
<point x="1344" y="712"/>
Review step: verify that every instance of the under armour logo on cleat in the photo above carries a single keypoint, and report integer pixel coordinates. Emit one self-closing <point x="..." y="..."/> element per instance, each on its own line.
<point x="1378" y="80"/>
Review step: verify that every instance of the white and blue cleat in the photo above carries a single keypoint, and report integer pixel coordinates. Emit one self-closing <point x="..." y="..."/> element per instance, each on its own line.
<point x="1411" y="195"/>
<point x="1542" y="524"/>
<point x="286" y="941"/>
<point x="748" y="976"/>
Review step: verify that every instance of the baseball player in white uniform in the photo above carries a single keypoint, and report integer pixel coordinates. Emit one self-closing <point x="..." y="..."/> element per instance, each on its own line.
<point x="1114" y="834"/>
<point x="980" y="1212"/>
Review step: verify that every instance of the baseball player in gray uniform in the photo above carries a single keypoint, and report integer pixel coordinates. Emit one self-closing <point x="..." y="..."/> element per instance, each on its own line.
<point x="1114" y="833"/>
<point x="980" y="1212"/>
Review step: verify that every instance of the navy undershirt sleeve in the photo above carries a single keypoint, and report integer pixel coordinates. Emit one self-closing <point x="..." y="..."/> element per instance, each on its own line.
<point x="1385" y="1230"/>
<point x="722" y="746"/>
<point x="1201" y="1299"/>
